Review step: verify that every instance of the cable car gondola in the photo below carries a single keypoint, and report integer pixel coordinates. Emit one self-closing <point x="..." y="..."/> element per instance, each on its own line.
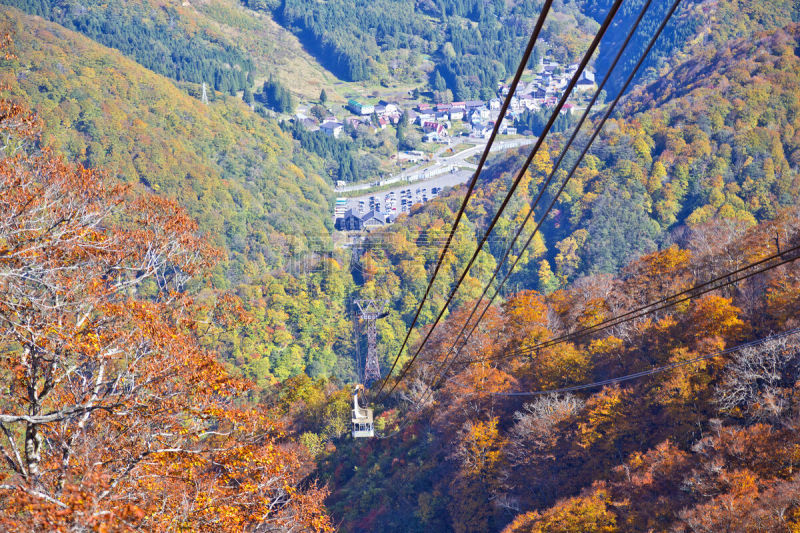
<point x="362" y="418"/>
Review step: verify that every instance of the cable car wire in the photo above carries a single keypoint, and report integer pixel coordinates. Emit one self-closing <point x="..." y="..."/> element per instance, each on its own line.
<point x="645" y="310"/>
<point x="520" y="69"/>
<point x="643" y="373"/>
<point x="543" y="188"/>
<point x="575" y="166"/>
<point x="556" y="111"/>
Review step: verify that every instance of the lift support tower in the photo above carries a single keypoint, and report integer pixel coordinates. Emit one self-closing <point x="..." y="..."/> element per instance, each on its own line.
<point x="371" y="311"/>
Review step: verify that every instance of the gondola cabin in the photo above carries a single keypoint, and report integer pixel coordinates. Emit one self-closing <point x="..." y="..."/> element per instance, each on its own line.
<point x="362" y="419"/>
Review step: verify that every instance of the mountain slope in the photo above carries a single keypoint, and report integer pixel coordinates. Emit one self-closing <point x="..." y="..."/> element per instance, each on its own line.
<point x="706" y="158"/>
<point x="230" y="167"/>
<point x="214" y="41"/>
<point x="256" y="196"/>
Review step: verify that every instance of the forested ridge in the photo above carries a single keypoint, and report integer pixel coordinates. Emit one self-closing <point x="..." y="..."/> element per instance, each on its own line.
<point x="700" y="165"/>
<point x="715" y="139"/>
<point x="708" y="446"/>
<point x="179" y="342"/>
<point x="114" y="416"/>
<point x="254" y="194"/>
<point x="473" y="44"/>
<point x="156" y="35"/>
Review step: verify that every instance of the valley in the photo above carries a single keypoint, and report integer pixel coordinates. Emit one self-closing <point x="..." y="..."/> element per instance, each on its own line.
<point x="227" y="221"/>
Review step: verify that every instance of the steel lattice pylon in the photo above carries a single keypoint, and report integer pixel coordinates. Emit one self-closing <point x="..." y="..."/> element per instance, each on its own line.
<point x="371" y="311"/>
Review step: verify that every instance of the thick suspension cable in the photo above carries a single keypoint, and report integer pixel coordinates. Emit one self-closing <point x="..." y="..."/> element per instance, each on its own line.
<point x="556" y="111"/>
<point x="520" y="69"/>
<point x="574" y="168"/>
<point x="643" y="373"/>
<point x="543" y="188"/>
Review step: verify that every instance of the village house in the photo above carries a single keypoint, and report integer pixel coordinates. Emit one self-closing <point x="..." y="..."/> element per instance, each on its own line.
<point x="432" y="126"/>
<point x="360" y="109"/>
<point x="457" y="113"/>
<point x="372" y="220"/>
<point x="310" y="124"/>
<point x="434" y="132"/>
<point x="586" y="82"/>
<point x="479" y="114"/>
<point x="422" y="118"/>
<point x="333" y="129"/>
<point x="352" y="221"/>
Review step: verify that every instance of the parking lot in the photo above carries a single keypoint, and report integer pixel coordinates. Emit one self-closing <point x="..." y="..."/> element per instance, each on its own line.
<point x="400" y="199"/>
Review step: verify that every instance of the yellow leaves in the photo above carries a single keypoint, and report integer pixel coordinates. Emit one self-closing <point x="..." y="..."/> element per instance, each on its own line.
<point x="714" y="315"/>
<point x="481" y="446"/>
<point x="595" y="311"/>
<point x="526" y="314"/>
<point x="605" y="346"/>
<point x="602" y="412"/>
<point x="541" y="162"/>
<point x="590" y="513"/>
<point x="683" y="384"/>
<point x="564" y="364"/>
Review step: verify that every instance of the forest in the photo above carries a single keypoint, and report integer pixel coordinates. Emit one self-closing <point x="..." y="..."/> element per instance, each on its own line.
<point x="179" y="331"/>
<point x="698" y="179"/>
<point x="257" y="196"/>
<point x="709" y="445"/>
<point x="147" y="33"/>
<point x="474" y="44"/>
<point x="114" y="416"/>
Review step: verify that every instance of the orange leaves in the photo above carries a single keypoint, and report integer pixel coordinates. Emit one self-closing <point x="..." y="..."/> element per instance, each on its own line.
<point x="604" y="413"/>
<point x="659" y="273"/>
<point x="560" y="365"/>
<point x="120" y="420"/>
<point x="526" y="315"/>
<point x="591" y="512"/>
<point x="713" y="315"/>
<point x="480" y="448"/>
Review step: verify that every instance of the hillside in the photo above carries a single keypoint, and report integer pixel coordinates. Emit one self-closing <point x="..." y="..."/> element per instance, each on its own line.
<point x="218" y="42"/>
<point x="194" y="370"/>
<point x="471" y="45"/>
<point x="716" y="139"/>
<point x="701" y="165"/>
<point x="702" y="447"/>
<point x="696" y="22"/>
<point x="255" y="196"/>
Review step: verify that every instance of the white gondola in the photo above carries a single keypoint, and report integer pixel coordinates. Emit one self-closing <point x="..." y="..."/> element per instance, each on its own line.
<point x="362" y="418"/>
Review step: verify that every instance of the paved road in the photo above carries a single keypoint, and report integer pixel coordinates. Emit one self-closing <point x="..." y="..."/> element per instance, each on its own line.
<point x="441" y="165"/>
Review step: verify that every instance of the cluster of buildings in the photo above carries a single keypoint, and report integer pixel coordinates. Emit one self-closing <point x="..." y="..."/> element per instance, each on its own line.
<point x="362" y="115"/>
<point x="548" y="85"/>
<point x="542" y="92"/>
<point x="436" y="120"/>
<point x="363" y="214"/>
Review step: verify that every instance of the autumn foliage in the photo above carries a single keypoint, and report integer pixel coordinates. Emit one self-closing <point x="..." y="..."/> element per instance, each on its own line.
<point x="113" y="418"/>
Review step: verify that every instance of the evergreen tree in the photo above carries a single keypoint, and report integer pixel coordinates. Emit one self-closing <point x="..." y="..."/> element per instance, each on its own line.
<point x="438" y="82"/>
